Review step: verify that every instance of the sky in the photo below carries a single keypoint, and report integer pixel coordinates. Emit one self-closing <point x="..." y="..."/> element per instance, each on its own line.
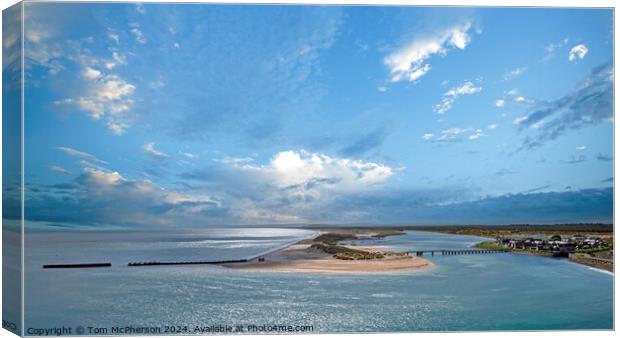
<point x="211" y="115"/>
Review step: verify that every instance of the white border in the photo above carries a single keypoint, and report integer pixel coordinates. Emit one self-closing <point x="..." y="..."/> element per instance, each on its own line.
<point x="469" y="3"/>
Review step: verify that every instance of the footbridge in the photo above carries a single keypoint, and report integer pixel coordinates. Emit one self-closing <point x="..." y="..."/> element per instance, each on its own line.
<point x="452" y="252"/>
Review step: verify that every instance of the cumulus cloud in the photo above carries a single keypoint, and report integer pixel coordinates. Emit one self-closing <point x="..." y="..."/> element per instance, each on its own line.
<point x="410" y="62"/>
<point x="293" y="186"/>
<point x="331" y="190"/>
<point x="294" y="168"/>
<point x="149" y="148"/>
<point x="99" y="196"/>
<point x="449" y="97"/>
<point x="590" y="103"/>
<point x="578" y="52"/>
<point x="90" y="73"/>
<point x="500" y="103"/>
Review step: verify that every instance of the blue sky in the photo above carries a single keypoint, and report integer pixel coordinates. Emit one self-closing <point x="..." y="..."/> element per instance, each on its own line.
<point x="159" y="114"/>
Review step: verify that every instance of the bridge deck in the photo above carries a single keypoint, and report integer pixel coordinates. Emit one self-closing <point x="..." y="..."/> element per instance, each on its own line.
<point x="453" y="252"/>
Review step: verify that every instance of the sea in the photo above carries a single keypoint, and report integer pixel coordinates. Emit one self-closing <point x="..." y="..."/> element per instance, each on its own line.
<point x="459" y="293"/>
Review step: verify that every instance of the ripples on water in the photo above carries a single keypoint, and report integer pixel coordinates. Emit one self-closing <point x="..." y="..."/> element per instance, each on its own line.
<point x="477" y="292"/>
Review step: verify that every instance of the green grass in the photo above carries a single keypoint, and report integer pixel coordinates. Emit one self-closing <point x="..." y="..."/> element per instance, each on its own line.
<point x="345" y="253"/>
<point x="595" y="250"/>
<point x="491" y="246"/>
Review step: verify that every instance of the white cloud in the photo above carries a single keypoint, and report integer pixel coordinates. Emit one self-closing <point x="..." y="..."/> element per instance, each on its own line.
<point x="81" y="154"/>
<point x="43" y="52"/>
<point x="157" y="84"/>
<point x="117" y="59"/>
<point x="140" y="8"/>
<point x="418" y="73"/>
<point x="113" y="88"/>
<point x="455" y="134"/>
<point x="90" y="73"/>
<point x="579" y="51"/>
<point x="409" y="63"/>
<point x="193" y="203"/>
<point x="523" y="100"/>
<point x="301" y="174"/>
<point x="108" y="196"/>
<point x="149" y="148"/>
<point x="188" y="154"/>
<point x="105" y="96"/>
<point x="291" y="167"/>
<point x="89" y="165"/>
<point x="581" y="148"/>
<point x="552" y="47"/>
<point x="114" y="37"/>
<point x="117" y="128"/>
<point x="500" y="103"/>
<point x="36" y="34"/>
<point x="137" y="34"/>
<point x="235" y="160"/>
<point x="452" y="134"/>
<point x="476" y="135"/>
<point x="512" y="92"/>
<point x="492" y="126"/>
<point x="102" y="178"/>
<point x="514" y="73"/>
<point x="519" y="120"/>
<point x="382" y="89"/>
<point x="467" y="88"/>
<point x="292" y="186"/>
<point x="59" y="170"/>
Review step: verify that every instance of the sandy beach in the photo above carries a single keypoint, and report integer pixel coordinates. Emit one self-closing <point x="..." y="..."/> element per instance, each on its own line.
<point x="302" y="258"/>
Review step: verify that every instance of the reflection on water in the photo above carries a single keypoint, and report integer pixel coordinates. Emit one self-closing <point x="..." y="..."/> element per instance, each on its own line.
<point x="471" y="292"/>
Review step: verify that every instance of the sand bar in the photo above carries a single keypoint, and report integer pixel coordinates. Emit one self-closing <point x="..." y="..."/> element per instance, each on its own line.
<point x="301" y="258"/>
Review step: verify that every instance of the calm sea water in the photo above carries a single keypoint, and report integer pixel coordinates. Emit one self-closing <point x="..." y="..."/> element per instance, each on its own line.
<point x="476" y="292"/>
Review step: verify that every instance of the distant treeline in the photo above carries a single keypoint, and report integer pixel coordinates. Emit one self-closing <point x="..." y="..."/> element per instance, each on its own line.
<point x="573" y="227"/>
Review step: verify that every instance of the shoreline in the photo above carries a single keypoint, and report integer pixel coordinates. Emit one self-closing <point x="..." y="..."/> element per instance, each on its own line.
<point x="578" y="258"/>
<point x="304" y="257"/>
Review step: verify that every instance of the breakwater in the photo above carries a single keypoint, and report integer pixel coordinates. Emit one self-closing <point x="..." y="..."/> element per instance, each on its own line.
<point x="77" y="266"/>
